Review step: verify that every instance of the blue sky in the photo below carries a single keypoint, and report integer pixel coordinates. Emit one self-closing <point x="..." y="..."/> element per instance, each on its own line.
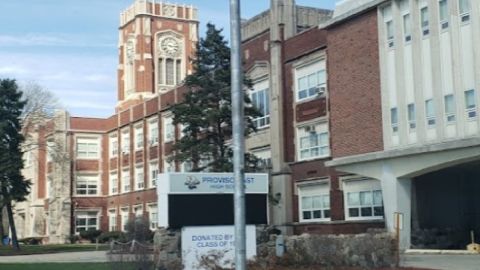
<point x="70" y="46"/>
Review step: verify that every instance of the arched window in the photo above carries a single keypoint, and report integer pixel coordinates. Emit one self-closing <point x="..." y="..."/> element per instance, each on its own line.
<point x="170" y="60"/>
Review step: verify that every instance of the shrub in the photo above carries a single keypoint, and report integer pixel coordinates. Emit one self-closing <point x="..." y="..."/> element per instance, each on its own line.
<point x="109" y="236"/>
<point x="73" y="238"/>
<point x="139" y="229"/>
<point x="31" y="240"/>
<point x="90" y="235"/>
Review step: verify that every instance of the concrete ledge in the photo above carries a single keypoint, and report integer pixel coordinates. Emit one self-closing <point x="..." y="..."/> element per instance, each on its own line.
<point x="439" y="252"/>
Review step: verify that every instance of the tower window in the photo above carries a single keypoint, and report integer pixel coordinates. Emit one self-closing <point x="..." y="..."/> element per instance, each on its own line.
<point x="170" y="71"/>
<point x="160" y="71"/>
<point x="178" y="71"/>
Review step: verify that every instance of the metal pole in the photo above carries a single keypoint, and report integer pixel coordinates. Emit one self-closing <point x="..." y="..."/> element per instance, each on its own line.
<point x="238" y="135"/>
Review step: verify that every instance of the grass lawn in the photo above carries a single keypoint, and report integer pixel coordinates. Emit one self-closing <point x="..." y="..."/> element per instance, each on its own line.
<point x="44" y="249"/>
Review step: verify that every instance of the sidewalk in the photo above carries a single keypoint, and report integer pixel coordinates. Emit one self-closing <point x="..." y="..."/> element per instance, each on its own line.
<point x="85" y="256"/>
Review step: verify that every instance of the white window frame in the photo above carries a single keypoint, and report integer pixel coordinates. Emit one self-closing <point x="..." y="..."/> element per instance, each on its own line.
<point x="318" y="128"/>
<point x="112" y="220"/>
<point x="50" y="150"/>
<point x="113" y="143"/>
<point x="168" y="128"/>
<point x="153" y="216"/>
<point x="265" y="157"/>
<point x="92" y="147"/>
<point x="304" y="72"/>
<point x="168" y="166"/>
<point x="362" y="185"/>
<point x="113" y="181"/>
<point x="258" y="87"/>
<point x="430" y="117"/>
<point x="139" y="178"/>
<point x="125" y="141"/>
<point x="450" y="117"/>
<point x="87" y="215"/>
<point x="153" y="132"/>
<point x="124" y="218"/>
<point x="444" y="23"/>
<point x="406" y="23"/>
<point x="92" y="183"/>
<point x="138" y="211"/>
<point x="412" y="117"/>
<point x="394" y="120"/>
<point x="471" y="111"/>
<point x="319" y="190"/>
<point x="138" y="131"/>
<point x="465" y="15"/>
<point x="425" y="24"/>
<point x="154" y="173"/>
<point x="126" y="181"/>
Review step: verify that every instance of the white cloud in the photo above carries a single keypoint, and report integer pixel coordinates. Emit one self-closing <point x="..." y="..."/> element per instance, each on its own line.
<point x="53" y="40"/>
<point x="85" y="84"/>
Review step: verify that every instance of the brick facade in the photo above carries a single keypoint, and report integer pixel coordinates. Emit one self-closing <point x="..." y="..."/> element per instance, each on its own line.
<point x="356" y="113"/>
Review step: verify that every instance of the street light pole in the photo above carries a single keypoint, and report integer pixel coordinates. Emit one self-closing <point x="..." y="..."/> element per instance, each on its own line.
<point x="238" y="135"/>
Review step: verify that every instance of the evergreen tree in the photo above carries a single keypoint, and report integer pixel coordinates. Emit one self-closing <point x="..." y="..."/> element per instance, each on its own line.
<point x="205" y="115"/>
<point x="13" y="186"/>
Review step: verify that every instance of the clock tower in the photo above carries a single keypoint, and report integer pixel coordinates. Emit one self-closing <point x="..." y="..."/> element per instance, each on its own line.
<point x="156" y="44"/>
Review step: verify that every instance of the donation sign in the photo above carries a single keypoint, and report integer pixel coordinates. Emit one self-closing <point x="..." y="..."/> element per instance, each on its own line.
<point x="213" y="242"/>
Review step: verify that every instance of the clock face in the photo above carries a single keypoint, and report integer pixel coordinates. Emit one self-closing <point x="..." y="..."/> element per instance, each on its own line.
<point x="170" y="46"/>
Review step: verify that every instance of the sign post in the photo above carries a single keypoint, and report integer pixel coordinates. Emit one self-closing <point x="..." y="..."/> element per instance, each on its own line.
<point x="238" y="124"/>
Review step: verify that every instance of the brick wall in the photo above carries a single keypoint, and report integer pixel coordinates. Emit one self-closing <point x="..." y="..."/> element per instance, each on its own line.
<point x="354" y="86"/>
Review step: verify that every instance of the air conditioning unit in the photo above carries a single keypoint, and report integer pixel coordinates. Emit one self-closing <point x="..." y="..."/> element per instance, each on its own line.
<point x="310" y="128"/>
<point x="322" y="90"/>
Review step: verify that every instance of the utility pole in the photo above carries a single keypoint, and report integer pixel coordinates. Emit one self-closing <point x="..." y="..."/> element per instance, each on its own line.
<point x="238" y="136"/>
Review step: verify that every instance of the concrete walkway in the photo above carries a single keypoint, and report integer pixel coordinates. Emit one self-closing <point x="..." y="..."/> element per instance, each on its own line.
<point x="86" y="256"/>
<point x="442" y="261"/>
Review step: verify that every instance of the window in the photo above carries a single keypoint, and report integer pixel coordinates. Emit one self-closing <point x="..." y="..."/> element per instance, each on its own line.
<point x="187" y="166"/>
<point x="126" y="142"/>
<point x="261" y="100"/>
<point x="28" y="158"/>
<point x="470" y="104"/>
<point x="394" y="119"/>
<point x="178" y="71"/>
<point x="139" y="178"/>
<point x="152" y="216"/>
<point x="112" y="220"/>
<point x="443" y="9"/>
<point x="124" y="218"/>
<point x="87" y="148"/>
<point x="138" y="211"/>
<point x="407" y="20"/>
<point x="154" y="171"/>
<point x="464" y="8"/>
<point x="168" y="129"/>
<point x="363" y="199"/>
<point x="313" y="141"/>
<point x="86" y="185"/>
<point x="430" y="113"/>
<point x="85" y="221"/>
<point x="265" y="158"/>
<point x="407" y="27"/>
<point x="412" y="120"/>
<point x="449" y="109"/>
<point x="138" y="137"/>
<point x="168" y="166"/>
<point x="113" y="146"/>
<point x="126" y="181"/>
<point x="50" y="150"/>
<point x="424" y="21"/>
<point x="160" y="71"/>
<point x="314" y="202"/>
<point x="390" y="33"/>
<point x="170" y="71"/>
<point x="153" y="132"/>
<point x="113" y="183"/>
<point x="311" y="81"/>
